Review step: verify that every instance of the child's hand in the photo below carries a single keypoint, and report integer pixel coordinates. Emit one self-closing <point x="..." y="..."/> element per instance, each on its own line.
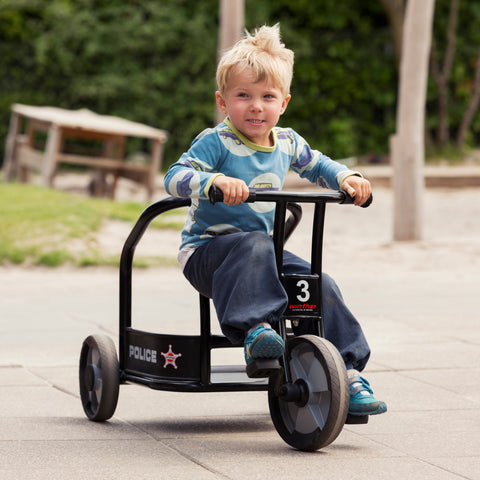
<point x="357" y="187"/>
<point x="235" y="191"/>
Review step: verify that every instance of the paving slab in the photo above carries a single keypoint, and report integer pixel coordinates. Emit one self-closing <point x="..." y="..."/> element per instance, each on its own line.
<point x="436" y="421"/>
<point x="96" y="459"/>
<point x="462" y="381"/>
<point x="425" y="445"/>
<point x="468" y="467"/>
<point x="349" y="457"/>
<point x="66" y="428"/>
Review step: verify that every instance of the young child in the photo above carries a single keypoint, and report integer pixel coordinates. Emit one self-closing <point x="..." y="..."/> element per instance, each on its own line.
<point x="226" y="252"/>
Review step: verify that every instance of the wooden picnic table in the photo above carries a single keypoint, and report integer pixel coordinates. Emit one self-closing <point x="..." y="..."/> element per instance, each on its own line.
<point x="24" y="152"/>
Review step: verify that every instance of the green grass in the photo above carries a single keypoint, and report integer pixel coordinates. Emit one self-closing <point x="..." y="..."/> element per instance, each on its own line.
<point x="47" y="227"/>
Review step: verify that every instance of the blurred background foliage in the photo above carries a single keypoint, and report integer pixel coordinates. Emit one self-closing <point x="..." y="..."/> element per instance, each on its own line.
<point x="153" y="61"/>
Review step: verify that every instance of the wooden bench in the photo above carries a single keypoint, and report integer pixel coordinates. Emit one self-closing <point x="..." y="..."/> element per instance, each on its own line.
<point x="59" y="126"/>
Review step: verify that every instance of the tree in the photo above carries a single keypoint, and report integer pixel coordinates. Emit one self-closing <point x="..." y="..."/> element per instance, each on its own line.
<point x="472" y="107"/>
<point x="344" y="83"/>
<point x="441" y="75"/>
<point x="455" y="73"/>
<point x="395" y="10"/>
<point x="231" y="25"/>
<point x="454" y="93"/>
<point x="148" y="61"/>
<point x="154" y="62"/>
<point x="407" y="146"/>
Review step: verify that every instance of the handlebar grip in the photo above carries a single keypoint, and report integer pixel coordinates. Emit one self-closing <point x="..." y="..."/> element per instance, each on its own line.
<point x="215" y="195"/>
<point x="368" y="202"/>
<point x="349" y="200"/>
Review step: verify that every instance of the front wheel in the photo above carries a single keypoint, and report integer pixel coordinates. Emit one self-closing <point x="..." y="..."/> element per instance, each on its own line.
<point x="310" y="412"/>
<point x="99" y="377"/>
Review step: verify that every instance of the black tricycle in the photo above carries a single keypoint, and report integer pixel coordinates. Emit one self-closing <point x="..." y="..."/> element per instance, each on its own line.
<point x="307" y="387"/>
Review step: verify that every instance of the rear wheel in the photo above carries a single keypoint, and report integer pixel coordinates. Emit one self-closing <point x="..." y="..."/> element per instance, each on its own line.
<point x="99" y="377"/>
<point x="310" y="412"/>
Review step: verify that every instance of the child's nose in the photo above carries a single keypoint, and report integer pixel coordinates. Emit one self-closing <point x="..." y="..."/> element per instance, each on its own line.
<point x="256" y="104"/>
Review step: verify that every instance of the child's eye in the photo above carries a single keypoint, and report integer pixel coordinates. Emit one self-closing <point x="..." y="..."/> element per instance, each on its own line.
<point x="242" y="95"/>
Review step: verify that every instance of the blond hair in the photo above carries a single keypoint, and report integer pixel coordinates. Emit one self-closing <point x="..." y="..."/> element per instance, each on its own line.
<point x="264" y="53"/>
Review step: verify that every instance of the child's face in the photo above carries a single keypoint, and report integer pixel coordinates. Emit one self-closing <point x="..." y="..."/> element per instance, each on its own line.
<point x="253" y="107"/>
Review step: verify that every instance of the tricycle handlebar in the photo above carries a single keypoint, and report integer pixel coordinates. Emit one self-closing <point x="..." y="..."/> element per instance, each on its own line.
<point x="216" y="195"/>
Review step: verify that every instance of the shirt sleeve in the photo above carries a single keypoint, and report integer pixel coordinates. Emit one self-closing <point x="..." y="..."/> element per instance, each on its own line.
<point x="193" y="174"/>
<point x="317" y="167"/>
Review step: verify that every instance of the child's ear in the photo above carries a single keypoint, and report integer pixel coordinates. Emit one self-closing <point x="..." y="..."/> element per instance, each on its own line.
<point x="221" y="105"/>
<point x="285" y="103"/>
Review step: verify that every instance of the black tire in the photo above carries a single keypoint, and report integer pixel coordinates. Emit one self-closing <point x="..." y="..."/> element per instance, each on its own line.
<point x="99" y="377"/>
<point x="316" y="420"/>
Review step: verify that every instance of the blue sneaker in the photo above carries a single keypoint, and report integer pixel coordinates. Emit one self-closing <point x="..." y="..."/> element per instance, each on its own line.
<point x="263" y="342"/>
<point x="362" y="401"/>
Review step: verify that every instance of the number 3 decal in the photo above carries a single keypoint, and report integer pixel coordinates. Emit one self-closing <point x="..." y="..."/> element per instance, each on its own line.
<point x="303" y="285"/>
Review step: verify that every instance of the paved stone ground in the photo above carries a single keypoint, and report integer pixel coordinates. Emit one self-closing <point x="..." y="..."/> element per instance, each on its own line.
<point x="418" y="303"/>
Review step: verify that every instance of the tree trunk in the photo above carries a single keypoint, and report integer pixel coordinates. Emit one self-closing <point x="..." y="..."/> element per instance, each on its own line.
<point x="395" y="10"/>
<point x="471" y="108"/>
<point x="232" y="18"/>
<point x="442" y="76"/>
<point x="407" y="145"/>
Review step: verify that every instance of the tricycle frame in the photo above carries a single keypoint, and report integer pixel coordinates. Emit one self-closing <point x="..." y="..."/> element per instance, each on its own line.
<point x="201" y="380"/>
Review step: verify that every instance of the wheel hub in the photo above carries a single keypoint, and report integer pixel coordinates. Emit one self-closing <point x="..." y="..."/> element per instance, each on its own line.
<point x="295" y="392"/>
